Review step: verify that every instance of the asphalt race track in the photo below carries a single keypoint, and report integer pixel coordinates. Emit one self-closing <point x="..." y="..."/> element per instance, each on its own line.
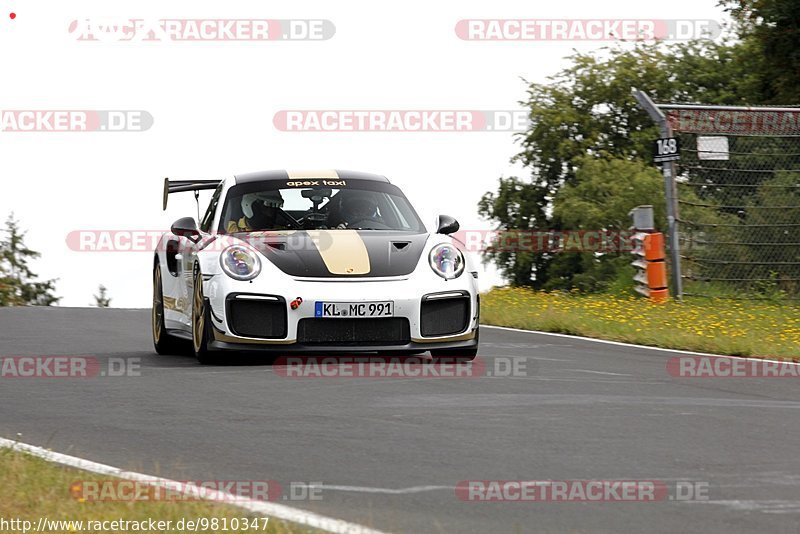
<point x="390" y="451"/>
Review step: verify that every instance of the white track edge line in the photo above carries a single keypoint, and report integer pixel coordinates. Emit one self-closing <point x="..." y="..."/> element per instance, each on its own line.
<point x="268" y="509"/>
<point x="623" y="344"/>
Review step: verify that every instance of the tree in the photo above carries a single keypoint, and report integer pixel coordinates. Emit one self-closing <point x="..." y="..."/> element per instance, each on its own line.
<point x="773" y="208"/>
<point x="605" y="190"/>
<point x="517" y="206"/>
<point x="585" y="119"/>
<point x="600" y="198"/>
<point x="102" y="300"/>
<point x="770" y="32"/>
<point x="18" y="284"/>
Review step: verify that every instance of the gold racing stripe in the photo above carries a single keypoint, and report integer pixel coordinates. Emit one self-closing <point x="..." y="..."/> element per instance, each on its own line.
<point x="342" y="251"/>
<point x="304" y="175"/>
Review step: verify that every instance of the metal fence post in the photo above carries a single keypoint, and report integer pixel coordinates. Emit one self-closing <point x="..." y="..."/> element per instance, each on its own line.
<point x="668" y="169"/>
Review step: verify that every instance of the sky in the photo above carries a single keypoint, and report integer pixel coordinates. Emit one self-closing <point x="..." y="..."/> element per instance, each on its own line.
<point x="209" y="108"/>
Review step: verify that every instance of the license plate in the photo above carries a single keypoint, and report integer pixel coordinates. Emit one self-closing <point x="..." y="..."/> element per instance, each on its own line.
<point x="354" y="309"/>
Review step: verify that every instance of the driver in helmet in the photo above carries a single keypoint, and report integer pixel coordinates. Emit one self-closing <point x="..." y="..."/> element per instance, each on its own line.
<point x="260" y="212"/>
<point x="355" y="209"/>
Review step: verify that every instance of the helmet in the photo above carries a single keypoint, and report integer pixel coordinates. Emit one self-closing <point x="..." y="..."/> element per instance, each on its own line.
<point x="358" y="207"/>
<point x="268" y="199"/>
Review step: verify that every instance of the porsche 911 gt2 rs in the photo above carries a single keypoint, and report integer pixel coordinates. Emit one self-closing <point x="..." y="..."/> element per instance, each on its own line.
<point x="308" y="262"/>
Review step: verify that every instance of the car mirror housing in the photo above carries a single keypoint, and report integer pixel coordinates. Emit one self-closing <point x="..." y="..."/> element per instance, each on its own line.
<point x="186" y="227"/>
<point x="446" y="225"/>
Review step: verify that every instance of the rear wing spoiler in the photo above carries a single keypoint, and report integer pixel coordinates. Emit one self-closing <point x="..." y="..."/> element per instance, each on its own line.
<point x="180" y="186"/>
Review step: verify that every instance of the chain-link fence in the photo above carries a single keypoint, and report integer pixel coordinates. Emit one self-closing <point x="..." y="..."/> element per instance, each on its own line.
<point x="737" y="189"/>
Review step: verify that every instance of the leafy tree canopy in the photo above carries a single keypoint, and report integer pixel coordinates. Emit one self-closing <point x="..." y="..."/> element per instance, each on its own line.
<point x="588" y="149"/>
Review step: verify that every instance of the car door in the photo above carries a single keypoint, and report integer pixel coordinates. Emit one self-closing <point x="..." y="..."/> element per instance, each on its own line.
<point x="186" y="259"/>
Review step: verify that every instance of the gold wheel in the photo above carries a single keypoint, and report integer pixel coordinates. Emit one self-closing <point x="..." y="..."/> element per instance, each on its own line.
<point x="198" y="314"/>
<point x="158" y="306"/>
<point x="163" y="343"/>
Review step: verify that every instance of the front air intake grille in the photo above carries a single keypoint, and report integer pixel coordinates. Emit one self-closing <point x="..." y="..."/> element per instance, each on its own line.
<point x="366" y="331"/>
<point x="444" y="316"/>
<point x="256" y="317"/>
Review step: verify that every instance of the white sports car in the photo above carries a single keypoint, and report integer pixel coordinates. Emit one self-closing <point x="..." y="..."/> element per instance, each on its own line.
<point x="326" y="261"/>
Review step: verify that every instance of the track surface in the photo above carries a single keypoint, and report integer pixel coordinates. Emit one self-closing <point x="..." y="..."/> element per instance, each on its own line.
<point x="584" y="411"/>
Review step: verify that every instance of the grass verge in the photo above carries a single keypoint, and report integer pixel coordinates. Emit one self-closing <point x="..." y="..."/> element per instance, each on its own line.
<point x="33" y="488"/>
<point x="737" y="328"/>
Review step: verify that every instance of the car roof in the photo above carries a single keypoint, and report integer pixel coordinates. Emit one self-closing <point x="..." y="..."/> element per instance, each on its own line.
<point x="307" y="175"/>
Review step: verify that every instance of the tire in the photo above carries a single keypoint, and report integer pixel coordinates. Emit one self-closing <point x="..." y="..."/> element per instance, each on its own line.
<point x="163" y="343"/>
<point x="201" y="333"/>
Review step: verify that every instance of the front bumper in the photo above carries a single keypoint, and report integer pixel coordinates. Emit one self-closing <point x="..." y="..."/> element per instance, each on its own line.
<point x="406" y="293"/>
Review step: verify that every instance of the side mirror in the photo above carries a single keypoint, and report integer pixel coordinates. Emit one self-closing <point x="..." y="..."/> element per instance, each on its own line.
<point x="186" y="227"/>
<point x="446" y="225"/>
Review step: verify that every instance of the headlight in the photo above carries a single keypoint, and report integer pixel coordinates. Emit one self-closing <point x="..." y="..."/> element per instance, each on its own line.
<point x="240" y="263"/>
<point x="447" y="261"/>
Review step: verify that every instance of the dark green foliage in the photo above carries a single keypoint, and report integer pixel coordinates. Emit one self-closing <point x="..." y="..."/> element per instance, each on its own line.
<point x="588" y="149"/>
<point x="18" y="284"/>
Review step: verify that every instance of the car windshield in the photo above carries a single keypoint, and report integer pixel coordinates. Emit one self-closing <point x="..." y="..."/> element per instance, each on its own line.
<point x="315" y="205"/>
